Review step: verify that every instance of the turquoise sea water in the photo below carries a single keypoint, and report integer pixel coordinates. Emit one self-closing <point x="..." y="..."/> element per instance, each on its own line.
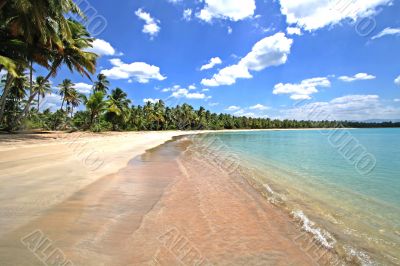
<point x="347" y="182"/>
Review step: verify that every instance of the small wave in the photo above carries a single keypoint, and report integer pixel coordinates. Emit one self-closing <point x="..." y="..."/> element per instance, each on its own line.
<point x="360" y="256"/>
<point x="322" y="236"/>
<point x="268" y="188"/>
<point x="273" y="197"/>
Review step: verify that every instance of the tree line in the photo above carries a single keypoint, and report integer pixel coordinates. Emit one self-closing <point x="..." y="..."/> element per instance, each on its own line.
<point x="42" y="33"/>
<point x="104" y="110"/>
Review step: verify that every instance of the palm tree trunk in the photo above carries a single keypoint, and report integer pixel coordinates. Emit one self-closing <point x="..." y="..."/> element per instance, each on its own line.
<point x="62" y="103"/>
<point x="38" y="102"/>
<point x="24" y="113"/>
<point x="28" y="104"/>
<point x="91" y="118"/>
<point x="6" y="91"/>
<point x="31" y="76"/>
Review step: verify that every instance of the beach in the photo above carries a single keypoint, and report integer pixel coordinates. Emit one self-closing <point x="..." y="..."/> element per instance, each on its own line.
<point x="136" y="208"/>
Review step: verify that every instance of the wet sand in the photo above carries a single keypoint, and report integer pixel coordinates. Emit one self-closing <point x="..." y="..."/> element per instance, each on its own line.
<point x="165" y="207"/>
<point x="39" y="171"/>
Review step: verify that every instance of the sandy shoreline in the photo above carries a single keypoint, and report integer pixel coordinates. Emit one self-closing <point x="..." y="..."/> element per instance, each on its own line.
<point x="41" y="170"/>
<point x="86" y="194"/>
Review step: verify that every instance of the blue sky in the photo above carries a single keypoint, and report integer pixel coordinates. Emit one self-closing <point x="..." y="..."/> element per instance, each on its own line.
<point x="264" y="58"/>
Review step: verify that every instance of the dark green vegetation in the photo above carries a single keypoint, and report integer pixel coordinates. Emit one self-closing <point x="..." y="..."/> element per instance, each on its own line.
<point x="38" y="33"/>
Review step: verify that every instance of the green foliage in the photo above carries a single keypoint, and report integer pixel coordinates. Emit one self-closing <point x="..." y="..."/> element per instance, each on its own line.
<point x="40" y="32"/>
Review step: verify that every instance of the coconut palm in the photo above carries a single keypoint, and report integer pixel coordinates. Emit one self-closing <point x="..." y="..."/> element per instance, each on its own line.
<point x="118" y="108"/>
<point x="15" y="98"/>
<point x="66" y="89"/>
<point x="30" y="31"/>
<point x="74" y="99"/>
<point x="41" y="87"/>
<point x="101" y="85"/>
<point x="96" y="106"/>
<point x="159" y="113"/>
<point x="73" y="55"/>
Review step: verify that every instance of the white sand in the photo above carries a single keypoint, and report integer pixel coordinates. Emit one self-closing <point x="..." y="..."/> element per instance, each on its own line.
<point x="40" y="171"/>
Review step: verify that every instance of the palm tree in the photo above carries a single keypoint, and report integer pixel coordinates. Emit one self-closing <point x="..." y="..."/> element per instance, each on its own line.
<point x="41" y="87"/>
<point x="118" y="108"/>
<point x="73" y="55"/>
<point x="101" y="85"/>
<point x="31" y="31"/>
<point x="66" y="89"/>
<point x="15" y="98"/>
<point x="150" y="117"/>
<point x="74" y="99"/>
<point x="96" y="105"/>
<point x="159" y="113"/>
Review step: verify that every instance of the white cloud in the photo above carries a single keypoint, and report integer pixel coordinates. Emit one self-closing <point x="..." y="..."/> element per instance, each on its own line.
<point x="314" y="14"/>
<point x="83" y="87"/>
<point x="259" y="107"/>
<point x="396" y="100"/>
<point x="350" y="107"/>
<point x="213" y="104"/>
<point x="151" y="26"/>
<point x="52" y="101"/>
<point x="230" y="30"/>
<point x="151" y="100"/>
<point x="227" y="76"/>
<point x="101" y="47"/>
<point x="184" y="93"/>
<point x="242" y="112"/>
<point x="270" y="51"/>
<point x="138" y="71"/>
<point x="177" y="87"/>
<point x="205" y="90"/>
<point x="174" y="1"/>
<point x="227" y="9"/>
<point x="293" y="31"/>
<point x="187" y="14"/>
<point x="233" y="108"/>
<point x="387" y="31"/>
<point x="359" y="76"/>
<point x="213" y="62"/>
<point x="302" y="90"/>
<point x="397" y="81"/>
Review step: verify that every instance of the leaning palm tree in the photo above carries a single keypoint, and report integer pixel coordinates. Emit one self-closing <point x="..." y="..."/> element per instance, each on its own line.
<point x="30" y="31"/>
<point x="101" y="85"/>
<point x="41" y="87"/>
<point x="73" y="55"/>
<point x="66" y="89"/>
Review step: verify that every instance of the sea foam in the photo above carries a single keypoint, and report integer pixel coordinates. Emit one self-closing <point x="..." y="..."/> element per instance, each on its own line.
<point x="322" y="236"/>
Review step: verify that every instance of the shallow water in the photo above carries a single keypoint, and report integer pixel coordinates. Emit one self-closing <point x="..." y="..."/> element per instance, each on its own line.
<point x="347" y="182"/>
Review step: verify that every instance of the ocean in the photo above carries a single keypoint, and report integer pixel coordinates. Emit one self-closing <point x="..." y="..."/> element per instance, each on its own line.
<point x="340" y="185"/>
